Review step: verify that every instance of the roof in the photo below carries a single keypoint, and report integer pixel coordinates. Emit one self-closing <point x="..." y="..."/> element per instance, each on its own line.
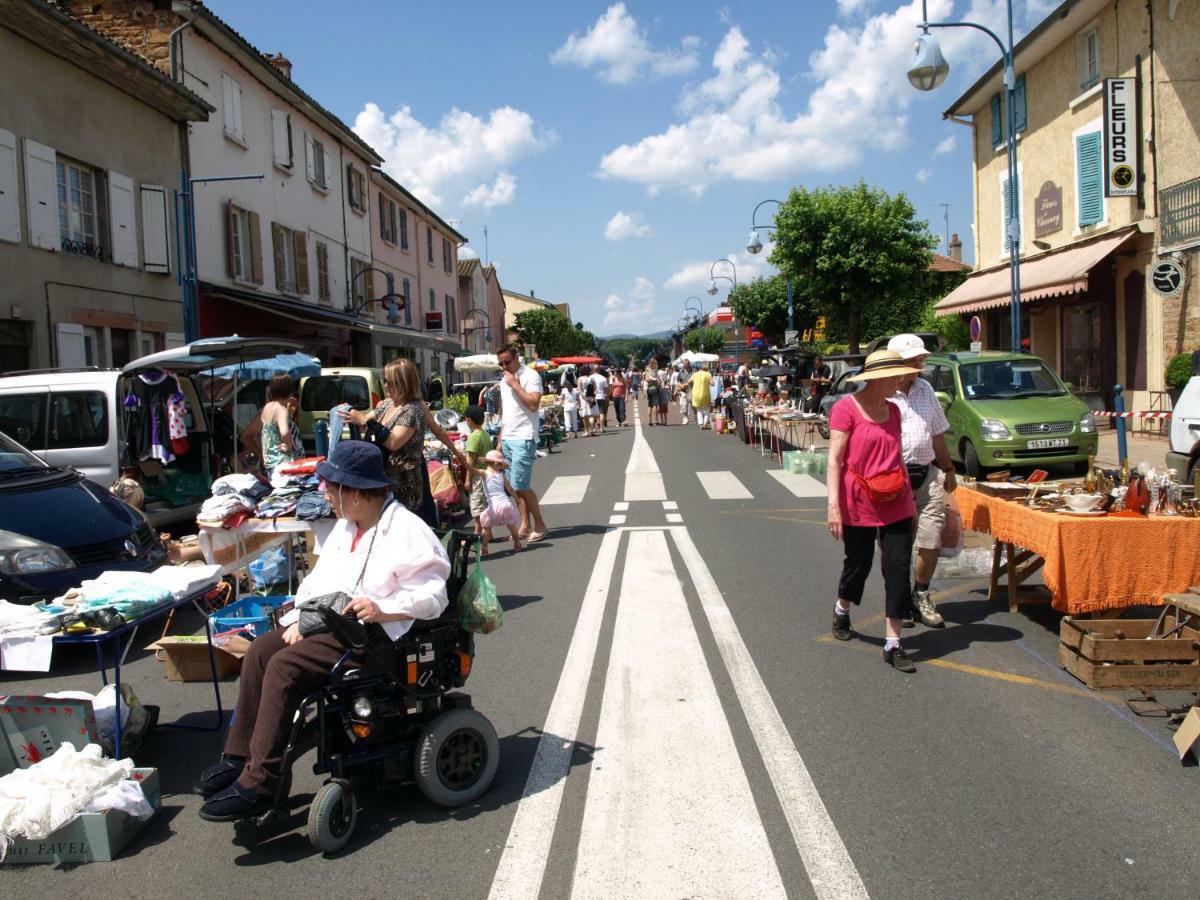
<point x="267" y="71"/>
<point x="44" y="25"/>
<point x="412" y="198"/>
<point x="529" y="298"/>
<point x="467" y="267"/>
<point x="1055" y="274"/>
<point x="1062" y="23"/>
<point x="942" y="263"/>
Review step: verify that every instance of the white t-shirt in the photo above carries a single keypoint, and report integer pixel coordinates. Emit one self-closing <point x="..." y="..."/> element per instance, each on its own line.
<point x="601" y="386"/>
<point x="570" y="398"/>
<point x="519" y="423"/>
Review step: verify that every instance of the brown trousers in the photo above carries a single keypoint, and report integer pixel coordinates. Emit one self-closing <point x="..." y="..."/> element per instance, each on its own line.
<point x="275" y="678"/>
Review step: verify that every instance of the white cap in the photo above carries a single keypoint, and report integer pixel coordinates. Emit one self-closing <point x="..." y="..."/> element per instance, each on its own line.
<point x="908" y="346"/>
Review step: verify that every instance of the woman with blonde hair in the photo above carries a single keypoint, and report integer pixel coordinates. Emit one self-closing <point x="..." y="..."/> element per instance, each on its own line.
<point x="397" y="427"/>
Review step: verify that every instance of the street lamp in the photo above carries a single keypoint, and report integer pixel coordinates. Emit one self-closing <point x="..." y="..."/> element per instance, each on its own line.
<point x="471" y="324"/>
<point x="698" y="310"/>
<point x="928" y="70"/>
<point x="712" y="289"/>
<point x="754" y="245"/>
<point x="391" y="301"/>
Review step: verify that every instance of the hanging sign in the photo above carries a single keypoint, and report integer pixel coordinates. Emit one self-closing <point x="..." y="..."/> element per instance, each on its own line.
<point x="1120" y="138"/>
<point x="1047" y="210"/>
<point x="1167" y="277"/>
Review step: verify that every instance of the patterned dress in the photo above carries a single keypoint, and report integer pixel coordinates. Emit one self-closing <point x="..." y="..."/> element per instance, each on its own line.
<point x="404" y="465"/>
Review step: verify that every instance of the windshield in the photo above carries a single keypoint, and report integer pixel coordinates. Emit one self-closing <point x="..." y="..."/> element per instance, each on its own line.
<point x="323" y="392"/>
<point x="15" y="459"/>
<point x="1009" y="378"/>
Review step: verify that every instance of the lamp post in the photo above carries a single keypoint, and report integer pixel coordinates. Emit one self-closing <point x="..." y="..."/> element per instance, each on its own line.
<point x="391" y="301"/>
<point x="712" y="290"/>
<point x="698" y="309"/>
<point x="754" y="245"/>
<point x="472" y="326"/>
<point x="927" y="72"/>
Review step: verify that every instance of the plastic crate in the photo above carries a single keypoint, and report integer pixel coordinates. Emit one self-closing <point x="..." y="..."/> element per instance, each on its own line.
<point x="257" y="615"/>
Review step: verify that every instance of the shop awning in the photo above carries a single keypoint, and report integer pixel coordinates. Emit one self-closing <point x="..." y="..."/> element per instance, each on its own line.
<point x="1059" y="273"/>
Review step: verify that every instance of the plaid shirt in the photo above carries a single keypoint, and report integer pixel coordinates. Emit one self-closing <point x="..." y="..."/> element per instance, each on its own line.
<point x="921" y="420"/>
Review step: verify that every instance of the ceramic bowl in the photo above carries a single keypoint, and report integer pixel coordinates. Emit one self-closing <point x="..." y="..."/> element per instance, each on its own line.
<point x="1081" y="502"/>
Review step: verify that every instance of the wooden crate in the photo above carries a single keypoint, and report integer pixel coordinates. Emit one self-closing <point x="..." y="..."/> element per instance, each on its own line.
<point x="1093" y="652"/>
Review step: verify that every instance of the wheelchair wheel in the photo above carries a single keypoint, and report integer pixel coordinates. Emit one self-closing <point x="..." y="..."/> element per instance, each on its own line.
<point x="457" y="757"/>
<point x="331" y="817"/>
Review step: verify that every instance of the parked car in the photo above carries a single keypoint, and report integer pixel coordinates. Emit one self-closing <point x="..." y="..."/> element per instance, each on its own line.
<point x="362" y="388"/>
<point x="1184" y="455"/>
<point x="60" y="528"/>
<point x="841" y="387"/>
<point x="1009" y="409"/>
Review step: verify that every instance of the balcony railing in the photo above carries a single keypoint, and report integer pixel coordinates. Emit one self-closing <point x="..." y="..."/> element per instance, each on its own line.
<point x="82" y="248"/>
<point x="1179" y="213"/>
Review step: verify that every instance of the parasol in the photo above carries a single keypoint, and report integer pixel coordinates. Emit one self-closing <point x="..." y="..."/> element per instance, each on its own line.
<point x="576" y="360"/>
<point x="481" y="362"/>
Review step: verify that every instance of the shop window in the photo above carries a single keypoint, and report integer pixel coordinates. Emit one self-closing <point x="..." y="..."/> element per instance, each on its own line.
<point x="999" y="330"/>
<point x="1082" y="346"/>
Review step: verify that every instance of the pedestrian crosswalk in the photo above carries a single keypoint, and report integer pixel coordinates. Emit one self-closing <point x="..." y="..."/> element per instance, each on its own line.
<point x="799" y="485"/>
<point x="643" y="485"/>
<point x="566" y="489"/>
<point x="723" y="486"/>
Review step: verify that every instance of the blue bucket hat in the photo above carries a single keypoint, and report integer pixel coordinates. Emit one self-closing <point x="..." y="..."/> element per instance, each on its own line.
<point x="355" y="464"/>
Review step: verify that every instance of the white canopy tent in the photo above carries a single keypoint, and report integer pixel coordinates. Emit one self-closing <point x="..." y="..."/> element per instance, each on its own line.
<point x="696" y="358"/>
<point x="481" y="362"/>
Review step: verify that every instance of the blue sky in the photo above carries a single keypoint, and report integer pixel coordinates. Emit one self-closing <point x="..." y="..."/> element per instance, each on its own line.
<point x="614" y="150"/>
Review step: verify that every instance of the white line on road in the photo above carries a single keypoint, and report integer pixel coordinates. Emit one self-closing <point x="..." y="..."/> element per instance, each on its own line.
<point x="694" y="831"/>
<point x="566" y="489"/>
<point x="621" y="506"/>
<point x="670" y="504"/>
<point x="830" y="868"/>
<point x="799" y="485"/>
<point x="723" y="486"/>
<point x="674" y="518"/>
<point x="523" y="863"/>
<point x="616" y="520"/>
<point x="643" y="480"/>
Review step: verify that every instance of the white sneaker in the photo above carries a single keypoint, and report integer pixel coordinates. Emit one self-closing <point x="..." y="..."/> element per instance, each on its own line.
<point x="685" y="420"/>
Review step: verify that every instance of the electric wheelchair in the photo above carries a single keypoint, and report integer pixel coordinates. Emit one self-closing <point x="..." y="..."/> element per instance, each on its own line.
<point x="390" y="716"/>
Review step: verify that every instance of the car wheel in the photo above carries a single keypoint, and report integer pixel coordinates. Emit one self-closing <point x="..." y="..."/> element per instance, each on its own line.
<point x="971" y="461"/>
<point x="331" y="817"/>
<point x="457" y="757"/>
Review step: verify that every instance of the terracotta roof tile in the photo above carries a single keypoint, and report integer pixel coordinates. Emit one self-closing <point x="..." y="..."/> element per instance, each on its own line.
<point x="942" y="263"/>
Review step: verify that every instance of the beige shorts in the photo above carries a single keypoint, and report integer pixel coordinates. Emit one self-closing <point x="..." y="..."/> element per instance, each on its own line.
<point x="930" y="498"/>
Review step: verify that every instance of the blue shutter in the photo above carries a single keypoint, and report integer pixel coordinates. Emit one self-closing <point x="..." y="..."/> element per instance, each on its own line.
<point x="1089" y="177"/>
<point x="997" y="121"/>
<point x="1020" y="113"/>
<point x="407" y="302"/>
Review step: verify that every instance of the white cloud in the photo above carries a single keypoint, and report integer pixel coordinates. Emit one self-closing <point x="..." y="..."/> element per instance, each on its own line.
<point x="923" y="175"/>
<point x="946" y="145"/>
<point x="621" y="51"/>
<point x="499" y="193"/>
<point x="852" y="7"/>
<point x="635" y="311"/>
<point x="462" y="153"/>
<point x="735" y="127"/>
<point x="626" y="225"/>
<point x="466" y="251"/>
<point x="693" y="276"/>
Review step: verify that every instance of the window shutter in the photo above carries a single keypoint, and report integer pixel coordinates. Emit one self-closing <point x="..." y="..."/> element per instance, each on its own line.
<point x="368" y="282"/>
<point x="1020" y="112"/>
<point x="997" y="121"/>
<point x="256" y="270"/>
<point x="1011" y="196"/>
<point x="231" y="239"/>
<point x="383" y="229"/>
<point x="300" y="242"/>
<point x="407" y="302"/>
<point x="277" y="252"/>
<point x="122" y="221"/>
<point x="10" y="208"/>
<point x="392" y="219"/>
<point x="404" y="229"/>
<point x="41" y="195"/>
<point x="324" y="167"/>
<point x="310" y="162"/>
<point x="156" y="242"/>
<point x="351" y="187"/>
<point x="322" y="271"/>
<point x="281" y="133"/>
<point x="69" y="343"/>
<point x="227" y="88"/>
<point x="1089" y="178"/>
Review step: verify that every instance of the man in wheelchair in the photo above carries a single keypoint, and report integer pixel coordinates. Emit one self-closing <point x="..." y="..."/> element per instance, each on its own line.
<point x="393" y="568"/>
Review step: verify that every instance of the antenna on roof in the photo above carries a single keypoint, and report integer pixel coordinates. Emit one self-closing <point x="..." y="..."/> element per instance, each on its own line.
<point x="487" y="258"/>
<point x="946" y="214"/>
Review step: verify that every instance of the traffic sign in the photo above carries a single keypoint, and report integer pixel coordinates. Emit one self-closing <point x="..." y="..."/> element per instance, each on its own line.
<point x="976" y="331"/>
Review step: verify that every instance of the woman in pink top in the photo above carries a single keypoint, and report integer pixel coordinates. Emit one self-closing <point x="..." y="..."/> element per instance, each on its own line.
<point x="870" y="498"/>
<point x="617" y="388"/>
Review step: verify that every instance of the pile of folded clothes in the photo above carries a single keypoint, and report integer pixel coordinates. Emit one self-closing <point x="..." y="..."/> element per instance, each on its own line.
<point x="236" y="498"/>
<point x="233" y="500"/>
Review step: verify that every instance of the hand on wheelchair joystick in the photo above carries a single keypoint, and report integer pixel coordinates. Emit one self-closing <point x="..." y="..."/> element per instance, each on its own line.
<point x="367" y="610"/>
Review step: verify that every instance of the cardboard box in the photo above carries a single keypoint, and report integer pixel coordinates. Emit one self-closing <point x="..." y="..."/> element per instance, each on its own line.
<point x="33" y="727"/>
<point x="91" y="837"/>
<point x="185" y="657"/>
<point x="1188" y="737"/>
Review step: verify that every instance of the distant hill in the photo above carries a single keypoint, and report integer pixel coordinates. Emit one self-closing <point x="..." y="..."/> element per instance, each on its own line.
<point x="656" y="336"/>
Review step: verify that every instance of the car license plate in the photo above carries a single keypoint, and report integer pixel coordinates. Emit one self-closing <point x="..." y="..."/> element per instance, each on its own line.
<point x="1047" y="443"/>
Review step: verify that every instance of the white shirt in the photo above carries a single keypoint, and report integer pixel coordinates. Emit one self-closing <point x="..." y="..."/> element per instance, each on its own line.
<point x="518" y="422"/>
<point x="404" y="568"/>
<point x="601" y="385"/>
<point x="921" y="420"/>
<point x="570" y="398"/>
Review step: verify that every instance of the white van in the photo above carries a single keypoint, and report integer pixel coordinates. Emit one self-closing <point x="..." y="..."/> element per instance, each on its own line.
<point x="78" y="418"/>
<point x="1184" y="454"/>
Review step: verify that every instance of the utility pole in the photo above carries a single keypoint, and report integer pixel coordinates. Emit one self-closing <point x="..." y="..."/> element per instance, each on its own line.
<point x="487" y="258"/>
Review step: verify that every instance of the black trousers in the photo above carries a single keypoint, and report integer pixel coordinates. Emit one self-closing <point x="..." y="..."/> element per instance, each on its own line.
<point x="895" y="552"/>
<point x="619" y="406"/>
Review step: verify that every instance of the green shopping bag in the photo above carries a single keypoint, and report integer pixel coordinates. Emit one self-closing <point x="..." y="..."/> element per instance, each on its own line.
<point x="479" y="608"/>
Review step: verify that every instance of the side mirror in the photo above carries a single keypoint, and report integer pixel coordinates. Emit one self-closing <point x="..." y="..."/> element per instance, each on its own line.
<point x="943" y="398"/>
<point x="349" y="632"/>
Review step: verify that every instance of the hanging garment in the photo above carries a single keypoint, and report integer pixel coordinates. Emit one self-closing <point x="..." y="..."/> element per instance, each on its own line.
<point x="147" y="407"/>
<point x="177" y="423"/>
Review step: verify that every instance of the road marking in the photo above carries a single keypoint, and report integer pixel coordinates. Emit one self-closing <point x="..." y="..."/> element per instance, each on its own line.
<point x="723" y="486"/>
<point x="643" y="480"/>
<point x="621" y="506"/>
<point x="616" y="520"/>
<point x="830" y="868"/>
<point x="674" y="517"/>
<point x="566" y="489"/>
<point x="648" y="832"/>
<point x="799" y="485"/>
<point x="670" y="504"/>
<point x="523" y="863"/>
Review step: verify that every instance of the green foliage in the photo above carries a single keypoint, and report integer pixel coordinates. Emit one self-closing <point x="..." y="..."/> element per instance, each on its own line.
<point x="622" y="350"/>
<point x="953" y="329"/>
<point x="458" y="402"/>
<point x="762" y="304"/>
<point x="712" y="339"/>
<point x="552" y="333"/>
<point x="858" y="255"/>
<point x="1179" y="371"/>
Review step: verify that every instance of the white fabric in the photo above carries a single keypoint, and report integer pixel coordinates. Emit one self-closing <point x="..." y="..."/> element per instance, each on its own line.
<point x="21" y="647"/>
<point x="104" y="705"/>
<point x="127" y="797"/>
<point x="179" y="581"/>
<point x="240" y="481"/>
<point x="921" y="420"/>
<point x="601" y="385"/>
<point x="405" y="573"/>
<point x="518" y="422"/>
<point x="37" y="801"/>
<point x="570" y="398"/>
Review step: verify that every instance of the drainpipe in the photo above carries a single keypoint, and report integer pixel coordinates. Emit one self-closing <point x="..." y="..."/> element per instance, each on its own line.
<point x="190" y="295"/>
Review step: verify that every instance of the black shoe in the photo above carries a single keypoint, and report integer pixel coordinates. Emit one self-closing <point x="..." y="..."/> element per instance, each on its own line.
<point x="841" y="626"/>
<point x="234" y="803"/>
<point x="899" y="660"/>
<point x="909" y="619"/>
<point x="217" y="777"/>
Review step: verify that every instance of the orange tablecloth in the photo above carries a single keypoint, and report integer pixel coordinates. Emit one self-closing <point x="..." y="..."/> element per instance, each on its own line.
<point x="1094" y="563"/>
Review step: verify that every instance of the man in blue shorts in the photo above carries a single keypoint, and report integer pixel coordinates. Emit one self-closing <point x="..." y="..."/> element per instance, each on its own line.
<point x="521" y="397"/>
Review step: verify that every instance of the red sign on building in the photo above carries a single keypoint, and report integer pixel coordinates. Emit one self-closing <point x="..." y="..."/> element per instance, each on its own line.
<point x="433" y="321"/>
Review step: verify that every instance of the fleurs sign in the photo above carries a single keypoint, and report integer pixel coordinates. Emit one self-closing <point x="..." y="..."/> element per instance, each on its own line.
<point x="1047" y="215"/>
<point x="1120" y="138"/>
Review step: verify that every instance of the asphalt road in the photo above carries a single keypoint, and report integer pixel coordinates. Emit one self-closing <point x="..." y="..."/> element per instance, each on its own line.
<point x="675" y="721"/>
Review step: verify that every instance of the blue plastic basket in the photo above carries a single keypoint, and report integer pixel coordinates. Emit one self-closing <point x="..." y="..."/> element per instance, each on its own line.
<point x="256" y="615"/>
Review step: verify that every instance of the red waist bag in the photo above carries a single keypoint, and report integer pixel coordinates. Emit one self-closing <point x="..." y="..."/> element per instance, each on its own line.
<point x="883" y="487"/>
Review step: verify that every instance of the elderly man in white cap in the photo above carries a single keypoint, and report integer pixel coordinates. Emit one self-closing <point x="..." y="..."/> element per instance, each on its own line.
<point x="923" y="427"/>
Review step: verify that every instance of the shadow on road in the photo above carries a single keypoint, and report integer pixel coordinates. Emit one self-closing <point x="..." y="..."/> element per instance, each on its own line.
<point x="515" y="601"/>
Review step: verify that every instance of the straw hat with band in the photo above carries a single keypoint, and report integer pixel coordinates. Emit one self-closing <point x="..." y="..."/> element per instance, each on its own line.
<point x="883" y="364"/>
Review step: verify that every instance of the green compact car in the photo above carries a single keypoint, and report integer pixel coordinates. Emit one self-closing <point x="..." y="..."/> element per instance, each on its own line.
<point x="1009" y="409"/>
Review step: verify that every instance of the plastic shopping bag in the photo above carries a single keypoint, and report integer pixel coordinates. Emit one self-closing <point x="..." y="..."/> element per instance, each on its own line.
<point x="953" y="536"/>
<point x="270" y="569"/>
<point x="479" y="608"/>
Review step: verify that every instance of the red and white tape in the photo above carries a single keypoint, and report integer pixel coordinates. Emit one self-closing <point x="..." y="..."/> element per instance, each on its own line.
<point x="1128" y="415"/>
